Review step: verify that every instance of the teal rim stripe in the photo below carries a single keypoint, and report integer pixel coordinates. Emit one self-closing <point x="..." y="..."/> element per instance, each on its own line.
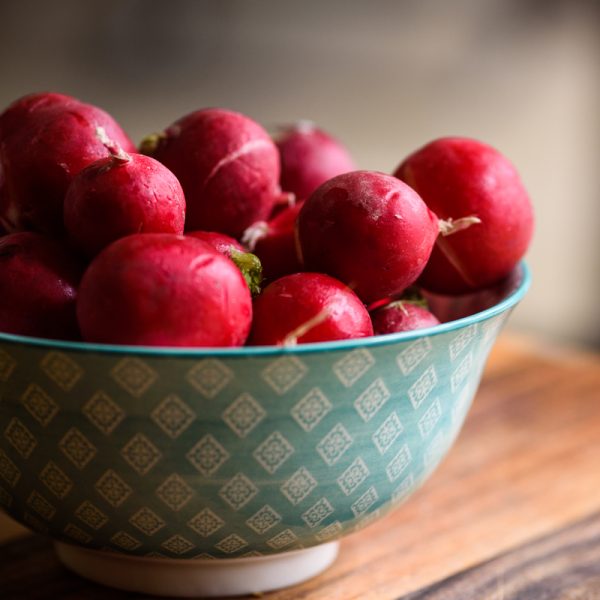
<point x="250" y="351"/>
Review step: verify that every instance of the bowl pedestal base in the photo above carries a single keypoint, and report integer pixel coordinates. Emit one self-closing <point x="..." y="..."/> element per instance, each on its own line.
<point x="186" y="578"/>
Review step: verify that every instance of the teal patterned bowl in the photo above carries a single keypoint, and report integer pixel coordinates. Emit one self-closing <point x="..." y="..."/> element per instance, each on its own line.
<point x="203" y="454"/>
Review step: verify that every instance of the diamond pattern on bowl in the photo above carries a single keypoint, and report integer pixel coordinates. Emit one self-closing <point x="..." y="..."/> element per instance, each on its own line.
<point x="238" y="491"/>
<point x="387" y="433"/>
<point x="209" y="377"/>
<point x="461" y="372"/>
<point x="7" y="365"/>
<point x="173" y="416"/>
<point x="147" y="521"/>
<point x="362" y="505"/>
<point x="243" y="415"/>
<point x="8" y="470"/>
<point x="284" y="373"/>
<point x="39" y="404"/>
<point x="299" y="485"/>
<point x="398" y="464"/>
<point x="20" y="438"/>
<point x="424" y="385"/>
<point x="206" y="522"/>
<point x="125" y="541"/>
<point x="311" y="409"/>
<point x="264" y="519"/>
<point x="175" y="492"/>
<point x="353" y="366"/>
<point x="330" y="531"/>
<point x="41" y="506"/>
<point x="317" y="512"/>
<point x="77" y="448"/>
<point x="56" y="480"/>
<point x="134" y="376"/>
<point x="283" y="539"/>
<point x="91" y="515"/>
<point x="113" y="488"/>
<point x="103" y="412"/>
<point x="207" y="455"/>
<point x="461" y="341"/>
<point x="273" y="452"/>
<point x="413" y="354"/>
<point x="430" y="418"/>
<point x="141" y="453"/>
<point x="353" y="476"/>
<point x="177" y="544"/>
<point x="61" y="369"/>
<point x="372" y="399"/>
<point x="232" y="543"/>
<point x="334" y="444"/>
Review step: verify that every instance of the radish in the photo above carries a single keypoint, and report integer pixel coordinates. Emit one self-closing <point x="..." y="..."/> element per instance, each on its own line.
<point x="461" y="179"/>
<point x="369" y="230"/>
<point x="228" y="167"/>
<point x="43" y="145"/>
<point x="38" y="287"/>
<point x="20" y="111"/>
<point x="284" y="200"/>
<point x="308" y="307"/>
<point x="225" y="244"/>
<point x="120" y="195"/>
<point x="248" y="263"/>
<point x="274" y="243"/>
<point x="402" y="315"/>
<point x="309" y="157"/>
<point x="160" y="289"/>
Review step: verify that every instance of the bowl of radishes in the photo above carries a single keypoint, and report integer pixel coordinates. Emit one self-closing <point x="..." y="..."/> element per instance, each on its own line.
<point x="223" y="352"/>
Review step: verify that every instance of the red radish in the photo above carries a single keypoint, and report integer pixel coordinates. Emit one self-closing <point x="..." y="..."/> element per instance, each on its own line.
<point x="20" y="112"/>
<point x="228" y="167"/>
<point x="402" y="315"/>
<point x="219" y="241"/>
<point x="248" y="263"/>
<point x="41" y="153"/>
<point x="274" y="243"/>
<point x="308" y="307"/>
<point x="460" y="178"/>
<point x="284" y="200"/>
<point x="38" y="287"/>
<point x="160" y="289"/>
<point x="369" y="230"/>
<point x="309" y="157"/>
<point x="120" y="195"/>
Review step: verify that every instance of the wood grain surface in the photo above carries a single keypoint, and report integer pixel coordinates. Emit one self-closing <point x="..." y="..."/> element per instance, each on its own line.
<point x="560" y="566"/>
<point x="526" y="465"/>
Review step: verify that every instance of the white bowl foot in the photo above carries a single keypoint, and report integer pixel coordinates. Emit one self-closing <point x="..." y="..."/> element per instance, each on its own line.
<point x="186" y="578"/>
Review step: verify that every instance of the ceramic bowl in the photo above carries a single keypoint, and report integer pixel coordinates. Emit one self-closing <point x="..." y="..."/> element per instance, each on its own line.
<point x="219" y="471"/>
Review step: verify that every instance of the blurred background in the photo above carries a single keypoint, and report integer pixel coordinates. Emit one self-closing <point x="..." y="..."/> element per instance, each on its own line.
<point x="385" y="77"/>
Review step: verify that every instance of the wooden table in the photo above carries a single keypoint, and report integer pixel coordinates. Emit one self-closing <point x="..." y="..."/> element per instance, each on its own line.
<point x="512" y="513"/>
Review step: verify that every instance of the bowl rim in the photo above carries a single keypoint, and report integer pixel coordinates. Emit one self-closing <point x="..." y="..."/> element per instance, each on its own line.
<point x="506" y="303"/>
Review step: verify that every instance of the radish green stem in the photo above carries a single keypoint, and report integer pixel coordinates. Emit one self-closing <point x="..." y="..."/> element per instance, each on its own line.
<point x="249" y="265"/>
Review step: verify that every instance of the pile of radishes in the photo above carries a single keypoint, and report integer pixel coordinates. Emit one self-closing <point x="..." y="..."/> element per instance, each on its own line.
<point x="109" y="244"/>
